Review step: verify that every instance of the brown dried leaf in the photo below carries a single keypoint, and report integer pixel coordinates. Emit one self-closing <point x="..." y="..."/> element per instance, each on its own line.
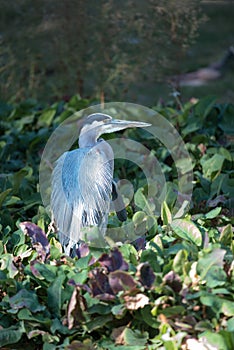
<point x="75" y="310"/>
<point x="118" y="335"/>
<point x="121" y="280"/>
<point x="136" y="302"/>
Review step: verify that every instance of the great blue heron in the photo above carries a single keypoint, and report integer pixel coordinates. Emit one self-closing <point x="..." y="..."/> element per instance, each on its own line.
<point x="82" y="182"/>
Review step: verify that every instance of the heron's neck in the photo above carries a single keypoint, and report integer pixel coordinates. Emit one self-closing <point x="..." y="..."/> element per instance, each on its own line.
<point x="88" y="138"/>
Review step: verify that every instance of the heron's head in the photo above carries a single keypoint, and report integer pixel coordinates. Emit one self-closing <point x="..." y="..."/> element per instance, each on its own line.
<point x="97" y="124"/>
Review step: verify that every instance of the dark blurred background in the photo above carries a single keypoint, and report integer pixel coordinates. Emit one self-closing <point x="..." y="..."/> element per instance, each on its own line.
<point x="114" y="50"/>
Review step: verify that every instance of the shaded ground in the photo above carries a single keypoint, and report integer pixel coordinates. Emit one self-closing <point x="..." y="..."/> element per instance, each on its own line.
<point x="56" y="82"/>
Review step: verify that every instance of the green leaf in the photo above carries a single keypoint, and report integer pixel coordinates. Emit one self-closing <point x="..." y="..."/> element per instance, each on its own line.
<point x="216" y="277"/>
<point x="187" y="230"/>
<point x="213" y="213"/>
<point x="3" y="195"/>
<point x="25" y="298"/>
<point x="166" y="214"/>
<point x="173" y="310"/>
<point x="212" y="165"/>
<point x="140" y="220"/>
<point x="227" y="123"/>
<point x="146" y="315"/>
<point x="180" y="260"/>
<point x="25" y="314"/>
<point x="226" y="235"/>
<point x="222" y="340"/>
<point x="150" y="256"/>
<point x="135" y="337"/>
<point x="46" y="117"/>
<point x="204" y="106"/>
<point x="142" y="203"/>
<point x="54" y="293"/>
<point x="11" y="335"/>
<point x="230" y="325"/>
<point x="205" y="263"/>
<point x="98" y="322"/>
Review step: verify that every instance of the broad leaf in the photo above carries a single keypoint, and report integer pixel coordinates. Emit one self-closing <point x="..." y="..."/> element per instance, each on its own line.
<point x="187" y="230"/>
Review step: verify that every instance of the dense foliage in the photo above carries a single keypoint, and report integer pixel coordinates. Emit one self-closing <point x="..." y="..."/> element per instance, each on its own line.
<point x="172" y="289"/>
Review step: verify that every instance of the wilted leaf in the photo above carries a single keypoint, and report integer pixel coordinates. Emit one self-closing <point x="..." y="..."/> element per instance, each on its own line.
<point x="194" y="344"/>
<point x="76" y="307"/>
<point x="118" y="335"/>
<point x="38" y="238"/>
<point x="121" y="280"/>
<point x="113" y="261"/>
<point x="214" y="202"/>
<point x="134" y="302"/>
<point x="145" y="274"/>
<point x="139" y="243"/>
<point x="173" y="280"/>
<point x="82" y="250"/>
<point x="99" y="283"/>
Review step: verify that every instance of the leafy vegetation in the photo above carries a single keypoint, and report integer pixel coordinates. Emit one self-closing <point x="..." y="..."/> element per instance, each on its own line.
<point x="170" y="289"/>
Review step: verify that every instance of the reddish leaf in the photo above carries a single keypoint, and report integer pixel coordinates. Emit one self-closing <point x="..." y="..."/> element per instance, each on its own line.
<point x="114" y="261"/>
<point x="146" y="274"/>
<point x="99" y="283"/>
<point x="139" y="243"/>
<point x="121" y="280"/>
<point x="82" y="250"/>
<point x="38" y="238"/>
<point x="173" y="280"/>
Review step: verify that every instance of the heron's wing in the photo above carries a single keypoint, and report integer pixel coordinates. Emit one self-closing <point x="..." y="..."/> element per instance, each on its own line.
<point x="95" y="179"/>
<point x="81" y="190"/>
<point x="118" y="203"/>
<point x="61" y="200"/>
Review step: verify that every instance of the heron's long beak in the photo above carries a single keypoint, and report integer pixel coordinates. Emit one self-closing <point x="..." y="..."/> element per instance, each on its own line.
<point x="117" y="125"/>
